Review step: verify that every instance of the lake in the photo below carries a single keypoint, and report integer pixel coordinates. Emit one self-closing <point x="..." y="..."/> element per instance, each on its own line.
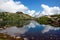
<point x="34" y="31"/>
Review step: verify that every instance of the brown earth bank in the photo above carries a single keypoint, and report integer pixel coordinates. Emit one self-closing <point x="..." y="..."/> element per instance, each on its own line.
<point x="4" y="36"/>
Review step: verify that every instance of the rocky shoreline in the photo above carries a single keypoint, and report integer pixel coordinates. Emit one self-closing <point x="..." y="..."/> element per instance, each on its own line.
<point x="4" y="36"/>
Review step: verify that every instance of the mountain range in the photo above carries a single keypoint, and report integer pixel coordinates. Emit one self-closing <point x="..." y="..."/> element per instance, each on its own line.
<point x="15" y="18"/>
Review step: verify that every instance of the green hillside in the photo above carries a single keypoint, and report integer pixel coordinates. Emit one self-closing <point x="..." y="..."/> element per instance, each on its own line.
<point x="19" y="19"/>
<point x="53" y="20"/>
<point x="14" y="19"/>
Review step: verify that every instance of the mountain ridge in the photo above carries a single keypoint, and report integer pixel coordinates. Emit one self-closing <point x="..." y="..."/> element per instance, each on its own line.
<point x="53" y="20"/>
<point x="8" y="18"/>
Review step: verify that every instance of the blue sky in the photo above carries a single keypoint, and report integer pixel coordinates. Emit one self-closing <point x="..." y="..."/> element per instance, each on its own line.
<point x="31" y="7"/>
<point x="36" y="4"/>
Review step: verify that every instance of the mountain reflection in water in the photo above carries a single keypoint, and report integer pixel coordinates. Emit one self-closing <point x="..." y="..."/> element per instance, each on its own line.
<point x="34" y="31"/>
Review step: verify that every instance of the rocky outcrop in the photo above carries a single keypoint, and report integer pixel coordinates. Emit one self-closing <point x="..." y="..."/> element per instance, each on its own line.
<point x="53" y="20"/>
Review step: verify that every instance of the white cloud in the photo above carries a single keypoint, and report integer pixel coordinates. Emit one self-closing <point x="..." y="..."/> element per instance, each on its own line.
<point x="32" y="24"/>
<point x="38" y="14"/>
<point x="15" y="31"/>
<point x="50" y="10"/>
<point x="31" y="12"/>
<point x="3" y="1"/>
<point x="11" y="6"/>
<point x="47" y="28"/>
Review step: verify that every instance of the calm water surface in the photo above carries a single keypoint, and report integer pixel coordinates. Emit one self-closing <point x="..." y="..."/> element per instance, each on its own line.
<point x="34" y="31"/>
